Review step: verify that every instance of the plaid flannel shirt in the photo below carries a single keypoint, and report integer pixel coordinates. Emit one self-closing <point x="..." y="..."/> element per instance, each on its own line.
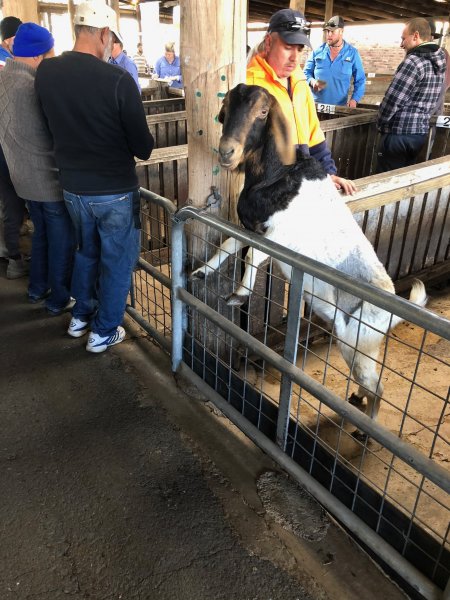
<point x="413" y="93"/>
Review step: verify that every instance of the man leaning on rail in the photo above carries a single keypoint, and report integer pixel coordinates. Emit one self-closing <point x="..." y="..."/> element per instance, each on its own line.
<point x="95" y="114"/>
<point x="404" y="113"/>
<point x="276" y="68"/>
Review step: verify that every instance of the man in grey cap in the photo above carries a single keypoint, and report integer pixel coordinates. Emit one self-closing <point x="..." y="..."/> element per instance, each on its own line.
<point x="276" y="68"/>
<point x="330" y="69"/>
<point x="97" y="120"/>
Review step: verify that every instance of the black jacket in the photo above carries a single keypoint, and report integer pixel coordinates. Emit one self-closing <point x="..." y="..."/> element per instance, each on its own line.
<point x="97" y="120"/>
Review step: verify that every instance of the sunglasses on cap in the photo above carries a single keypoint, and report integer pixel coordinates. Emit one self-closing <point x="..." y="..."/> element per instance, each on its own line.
<point x="299" y="25"/>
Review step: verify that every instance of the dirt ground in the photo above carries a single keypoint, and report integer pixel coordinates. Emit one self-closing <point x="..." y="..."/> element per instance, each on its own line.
<point x="416" y="379"/>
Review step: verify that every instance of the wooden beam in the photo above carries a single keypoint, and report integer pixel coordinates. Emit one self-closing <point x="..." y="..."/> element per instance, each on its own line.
<point x="373" y="9"/>
<point x="377" y="190"/>
<point x="26" y="10"/>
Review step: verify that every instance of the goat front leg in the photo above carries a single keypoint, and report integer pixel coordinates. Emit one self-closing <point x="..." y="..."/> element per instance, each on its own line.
<point x="253" y="259"/>
<point x="229" y="246"/>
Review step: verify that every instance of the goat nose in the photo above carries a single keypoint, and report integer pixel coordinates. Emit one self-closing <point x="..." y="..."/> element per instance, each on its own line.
<point x="226" y="154"/>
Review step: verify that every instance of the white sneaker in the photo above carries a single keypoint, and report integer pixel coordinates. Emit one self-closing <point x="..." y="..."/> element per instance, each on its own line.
<point x="77" y="328"/>
<point x="97" y="343"/>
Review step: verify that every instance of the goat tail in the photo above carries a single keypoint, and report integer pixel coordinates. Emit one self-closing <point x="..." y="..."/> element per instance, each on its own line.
<point x="418" y="295"/>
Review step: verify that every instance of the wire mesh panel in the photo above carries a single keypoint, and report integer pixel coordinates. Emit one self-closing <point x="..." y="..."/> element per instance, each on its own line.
<point x="151" y="295"/>
<point x="400" y="380"/>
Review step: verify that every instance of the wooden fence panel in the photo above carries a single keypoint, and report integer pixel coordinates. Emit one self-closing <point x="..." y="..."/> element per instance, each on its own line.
<point x="156" y="107"/>
<point x="168" y="129"/>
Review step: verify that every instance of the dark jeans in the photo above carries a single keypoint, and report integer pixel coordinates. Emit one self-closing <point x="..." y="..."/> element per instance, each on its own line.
<point x="396" y="150"/>
<point x="13" y="211"/>
<point x="52" y="252"/>
<point x="108" y="248"/>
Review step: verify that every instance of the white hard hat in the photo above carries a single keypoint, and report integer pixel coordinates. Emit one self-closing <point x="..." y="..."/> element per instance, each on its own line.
<point x="96" y="13"/>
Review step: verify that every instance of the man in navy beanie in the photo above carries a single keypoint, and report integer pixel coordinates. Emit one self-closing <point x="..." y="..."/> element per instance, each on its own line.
<point x="8" y="28"/>
<point x="12" y="207"/>
<point x="25" y="139"/>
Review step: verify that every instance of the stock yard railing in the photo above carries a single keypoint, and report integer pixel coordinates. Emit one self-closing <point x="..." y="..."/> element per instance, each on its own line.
<point x="392" y="489"/>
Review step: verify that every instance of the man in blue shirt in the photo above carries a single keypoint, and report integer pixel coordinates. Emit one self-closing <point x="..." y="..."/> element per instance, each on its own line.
<point x="118" y="57"/>
<point x="330" y="68"/>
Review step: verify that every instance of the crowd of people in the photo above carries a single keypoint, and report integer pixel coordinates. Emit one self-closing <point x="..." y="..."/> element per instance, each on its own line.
<point x="71" y="164"/>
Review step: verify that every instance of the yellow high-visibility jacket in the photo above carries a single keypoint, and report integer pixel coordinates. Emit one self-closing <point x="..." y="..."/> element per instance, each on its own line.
<point x="300" y="111"/>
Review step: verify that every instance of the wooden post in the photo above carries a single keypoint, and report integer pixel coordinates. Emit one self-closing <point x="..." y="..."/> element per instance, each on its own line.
<point x="71" y="10"/>
<point x="329" y="7"/>
<point x="115" y="6"/>
<point x="212" y="52"/>
<point x="213" y="60"/>
<point x="299" y="5"/>
<point x="26" y="10"/>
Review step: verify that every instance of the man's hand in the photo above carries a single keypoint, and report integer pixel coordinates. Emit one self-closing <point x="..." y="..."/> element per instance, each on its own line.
<point x="347" y="186"/>
<point x="352" y="103"/>
<point x="317" y="85"/>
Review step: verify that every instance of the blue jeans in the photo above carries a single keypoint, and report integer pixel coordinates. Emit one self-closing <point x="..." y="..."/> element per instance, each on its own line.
<point x="107" y="230"/>
<point x="397" y="150"/>
<point x="52" y="250"/>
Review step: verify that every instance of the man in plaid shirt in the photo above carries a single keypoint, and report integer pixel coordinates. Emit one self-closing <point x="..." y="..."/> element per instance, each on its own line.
<point x="404" y="114"/>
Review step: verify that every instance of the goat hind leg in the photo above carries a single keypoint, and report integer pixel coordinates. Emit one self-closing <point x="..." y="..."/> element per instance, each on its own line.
<point x="228" y="247"/>
<point x="362" y="362"/>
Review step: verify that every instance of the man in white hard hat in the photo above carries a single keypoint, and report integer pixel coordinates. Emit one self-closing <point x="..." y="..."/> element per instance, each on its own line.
<point x="95" y="114"/>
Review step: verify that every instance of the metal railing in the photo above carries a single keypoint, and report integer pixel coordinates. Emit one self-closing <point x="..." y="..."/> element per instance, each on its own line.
<point x="392" y="488"/>
<point x="280" y="417"/>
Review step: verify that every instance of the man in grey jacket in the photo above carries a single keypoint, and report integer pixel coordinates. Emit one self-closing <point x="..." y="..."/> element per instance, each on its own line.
<point x="28" y="150"/>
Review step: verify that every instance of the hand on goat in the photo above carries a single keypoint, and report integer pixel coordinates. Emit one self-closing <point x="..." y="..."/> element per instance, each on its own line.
<point x="347" y="186"/>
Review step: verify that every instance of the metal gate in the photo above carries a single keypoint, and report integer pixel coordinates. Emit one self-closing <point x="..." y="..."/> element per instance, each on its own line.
<point x="390" y="488"/>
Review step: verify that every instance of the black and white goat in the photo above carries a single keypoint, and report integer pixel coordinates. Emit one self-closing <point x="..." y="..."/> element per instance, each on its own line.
<point x="292" y="201"/>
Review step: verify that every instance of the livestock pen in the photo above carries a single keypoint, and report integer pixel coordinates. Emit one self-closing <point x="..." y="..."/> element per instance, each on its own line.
<point x="406" y="215"/>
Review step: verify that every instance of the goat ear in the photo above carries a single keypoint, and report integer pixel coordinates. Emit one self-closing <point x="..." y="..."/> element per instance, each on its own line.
<point x="281" y="134"/>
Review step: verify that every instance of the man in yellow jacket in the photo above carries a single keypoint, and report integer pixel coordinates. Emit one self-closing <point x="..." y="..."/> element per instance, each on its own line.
<point x="276" y="68"/>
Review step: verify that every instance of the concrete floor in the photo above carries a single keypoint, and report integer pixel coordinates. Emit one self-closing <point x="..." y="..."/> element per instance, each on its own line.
<point x="120" y="482"/>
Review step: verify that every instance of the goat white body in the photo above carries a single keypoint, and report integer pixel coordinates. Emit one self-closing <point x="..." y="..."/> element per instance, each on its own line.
<point x="311" y="219"/>
<point x="318" y="224"/>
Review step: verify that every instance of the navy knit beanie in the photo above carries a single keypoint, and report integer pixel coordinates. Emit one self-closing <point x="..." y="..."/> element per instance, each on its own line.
<point x="32" y="40"/>
<point x="8" y="27"/>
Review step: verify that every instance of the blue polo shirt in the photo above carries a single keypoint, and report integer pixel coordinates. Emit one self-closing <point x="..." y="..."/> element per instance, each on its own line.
<point x="163" y="68"/>
<point x="126" y="63"/>
<point x="337" y="73"/>
<point x="4" y="54"/>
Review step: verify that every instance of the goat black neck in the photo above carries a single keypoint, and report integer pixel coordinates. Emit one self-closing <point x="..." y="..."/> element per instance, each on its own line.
<point x="270" y="185"/>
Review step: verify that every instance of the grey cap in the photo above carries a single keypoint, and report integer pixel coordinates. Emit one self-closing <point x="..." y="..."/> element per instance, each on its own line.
<point x="336" y="22"/>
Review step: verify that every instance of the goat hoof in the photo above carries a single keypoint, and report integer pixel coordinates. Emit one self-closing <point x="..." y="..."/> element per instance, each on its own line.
<point x="360" y="436"/>
<point x="236" y="300"/>
<point x="355" y="400"/>
<point x="197" y="274"/>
